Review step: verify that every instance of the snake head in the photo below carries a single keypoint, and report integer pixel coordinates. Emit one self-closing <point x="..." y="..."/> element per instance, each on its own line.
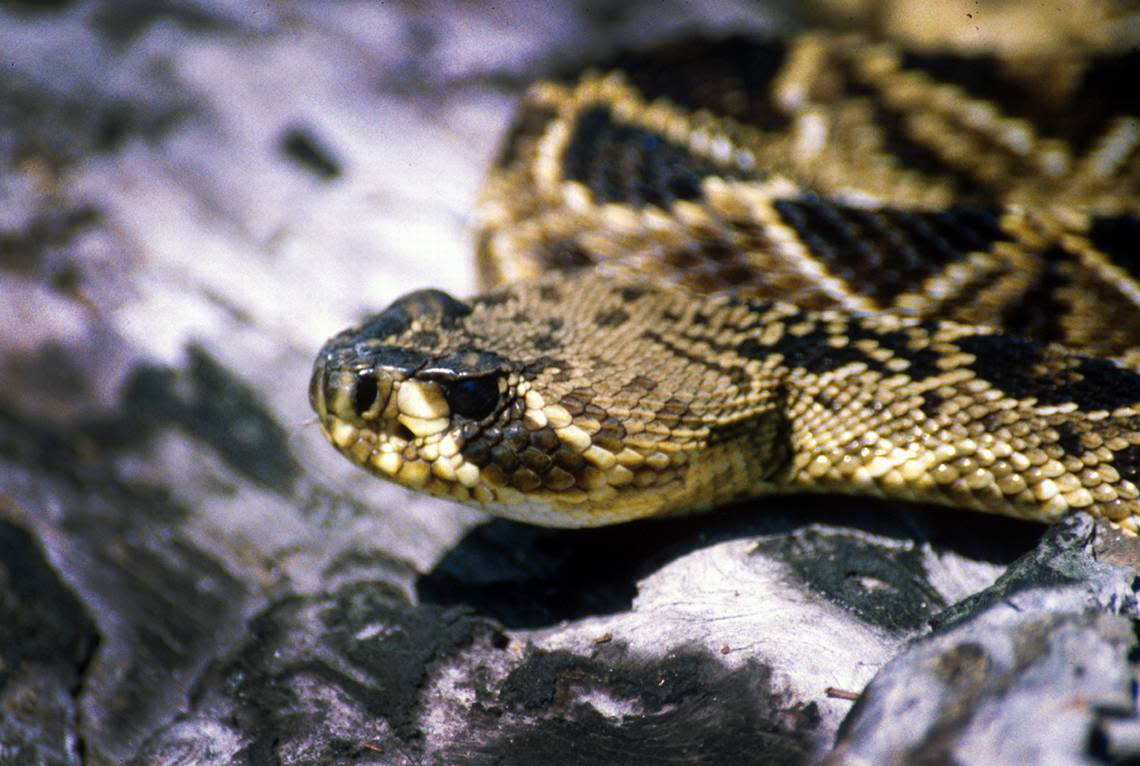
<point x="536" y="407"/>
<point x="401" y="393"/>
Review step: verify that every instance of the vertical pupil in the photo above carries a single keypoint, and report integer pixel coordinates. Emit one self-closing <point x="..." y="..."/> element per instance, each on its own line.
<point x="474" y="398"/>
<point x="364" y="394"/>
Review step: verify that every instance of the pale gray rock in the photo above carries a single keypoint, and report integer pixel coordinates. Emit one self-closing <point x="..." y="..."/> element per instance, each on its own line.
<point x="1038" y="668"/>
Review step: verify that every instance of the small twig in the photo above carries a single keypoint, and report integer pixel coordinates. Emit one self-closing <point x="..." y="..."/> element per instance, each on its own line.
<point x="841" y="694"/>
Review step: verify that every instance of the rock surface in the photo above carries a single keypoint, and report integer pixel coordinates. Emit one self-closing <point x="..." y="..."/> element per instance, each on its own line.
<point x="195" y="195"/>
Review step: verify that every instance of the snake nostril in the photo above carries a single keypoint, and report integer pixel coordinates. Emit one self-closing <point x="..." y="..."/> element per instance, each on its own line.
<point x="364" y="393"/>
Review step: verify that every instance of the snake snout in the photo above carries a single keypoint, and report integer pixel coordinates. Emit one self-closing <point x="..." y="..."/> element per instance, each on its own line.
<point x="317" y="388"/>
<point x="352" y="395"/>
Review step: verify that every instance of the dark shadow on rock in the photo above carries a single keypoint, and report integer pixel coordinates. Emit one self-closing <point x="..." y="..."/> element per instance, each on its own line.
<point x="40" y="619"/>
<point x="212" y="404"/>
<point x="356" y="675"/>
<point x="340" y="673"/>
<point x="203" y="399"/>
<point x="46" y="641"/>
<point x="685" y="708"/>
<point x="529" y="577"/>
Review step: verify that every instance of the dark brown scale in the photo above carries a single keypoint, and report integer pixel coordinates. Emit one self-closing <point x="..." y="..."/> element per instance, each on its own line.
<point x="734" y="274"/>
<point x="671" y="412"/>
<point x="493" y="475"/>
<point x="683" y="259"/>
<point x="569" y="460"/>
<point x="546" y="440"/>
<point x="1107" y="89"/>
<point x="479" y="453"/>
<point x="525" y="480"/>
<point x="728" y="76"/>
<point x="516" y="436"/>
<point x="595" y="412"/>
<point x="544" y="342"/>
<point x="550" y="294"/>
<point x="613" y="318"/>
<point x="564" y="254"/>
<point x="528" y="126"/>
<point x="575" y="401"/>
<point x="642" y="384"/>
<point x="630" y="165"/>
<point x="611" y="435"/>
<point x="536" y="460"/>
<point x="502" y="455"/>
<point x="558" y="480"/>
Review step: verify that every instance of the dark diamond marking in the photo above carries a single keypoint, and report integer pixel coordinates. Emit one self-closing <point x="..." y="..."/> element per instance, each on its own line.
<point x="622" y="163"/>
<point x="915" y="155"/>
<point x="1009" y="363"/>
<point x="1118" y="237"/>
<point x="1106" y="90"/>
<point x="931" y="402"/>
<point x="883" y="253"/>
<point x="1069" y="439"/>
<point x="730" y="77"/>
<point x="1127" y="462"/>
<point x="1037" y="312"/>
<point x="813" y="352"/>
<point x="737" y="375"/>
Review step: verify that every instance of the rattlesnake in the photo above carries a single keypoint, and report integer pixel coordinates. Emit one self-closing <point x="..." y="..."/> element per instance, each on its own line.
<point x="722" y="268"/>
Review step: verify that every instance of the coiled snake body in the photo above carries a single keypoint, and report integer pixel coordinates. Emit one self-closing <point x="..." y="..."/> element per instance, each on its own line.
<point x="726" y="268"/>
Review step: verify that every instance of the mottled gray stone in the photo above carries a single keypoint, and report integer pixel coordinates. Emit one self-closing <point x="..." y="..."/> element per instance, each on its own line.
<point x="1038" y="668"/>
<point x="46" y="641"/>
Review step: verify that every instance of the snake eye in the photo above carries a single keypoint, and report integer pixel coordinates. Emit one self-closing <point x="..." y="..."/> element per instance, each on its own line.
<point x="364" y="393"/>
<point x="474" y="398"/>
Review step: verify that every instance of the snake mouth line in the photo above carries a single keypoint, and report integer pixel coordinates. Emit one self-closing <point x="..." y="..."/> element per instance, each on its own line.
<point x="384" y="447"/>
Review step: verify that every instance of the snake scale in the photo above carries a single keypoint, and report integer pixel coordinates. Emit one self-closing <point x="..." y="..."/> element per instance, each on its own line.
<point x="721" y="268"/>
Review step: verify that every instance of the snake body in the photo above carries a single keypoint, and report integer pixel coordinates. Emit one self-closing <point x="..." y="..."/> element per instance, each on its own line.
<point x="725" y="268"/>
